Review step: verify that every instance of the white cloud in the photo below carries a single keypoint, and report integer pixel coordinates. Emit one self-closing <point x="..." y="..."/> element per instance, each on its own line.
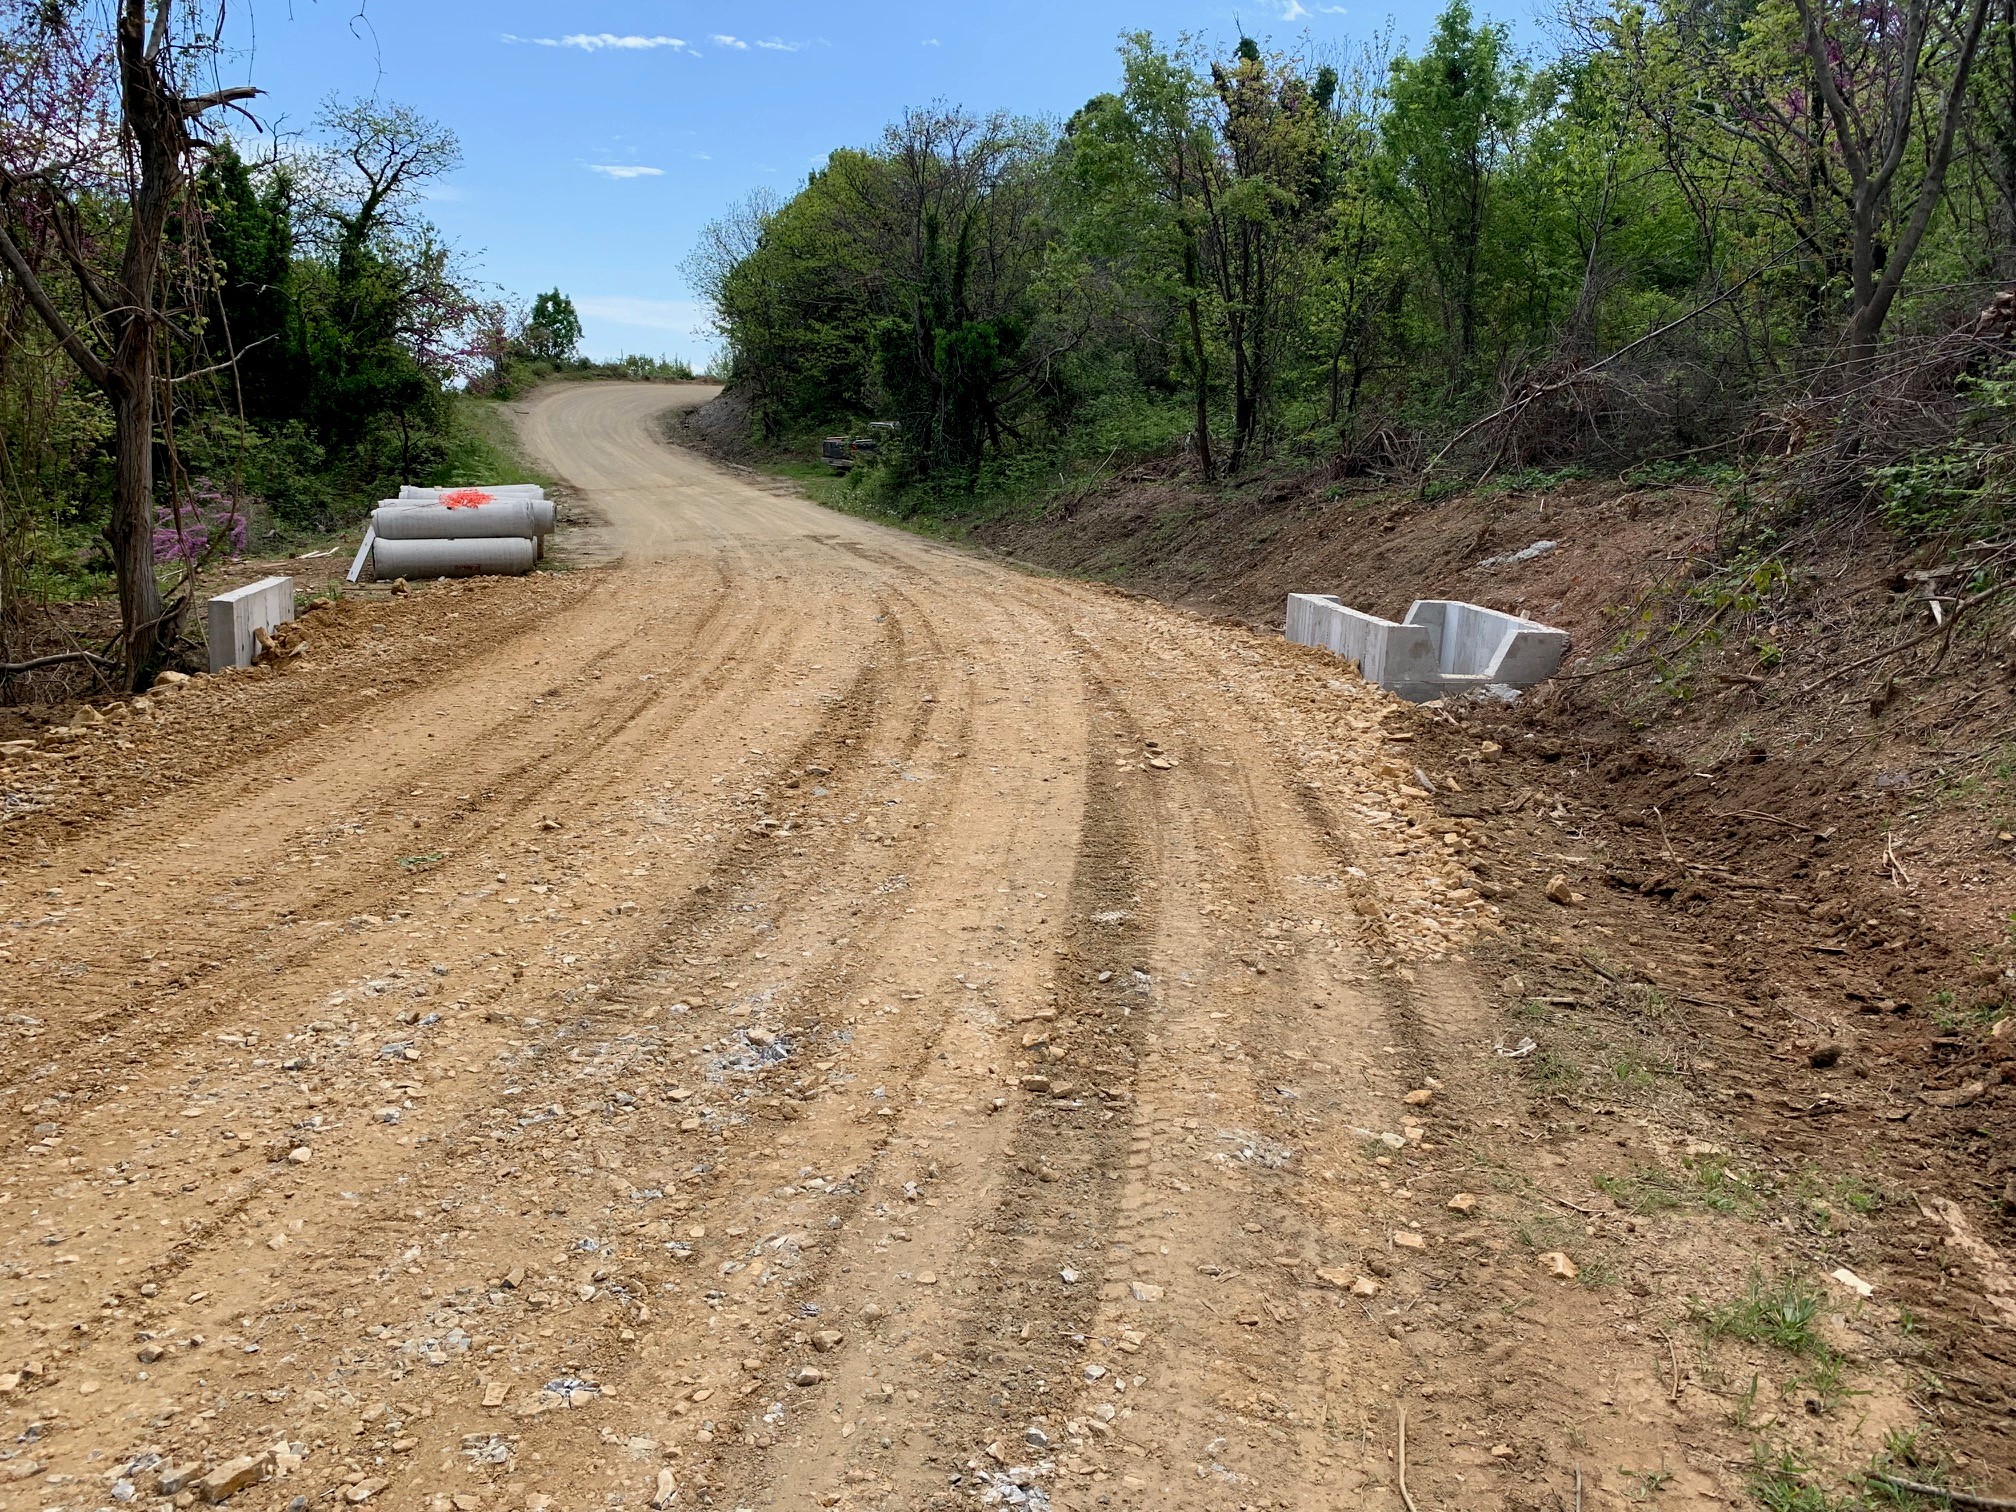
<point x="606" y="41"/>
<point x="929" y="42"/>
<point x="626" y="170"/>
<point x="721" y="40"/>
<point x="1293" y="10"/>
<point x="777" y="45"/>
<point x="683" y="317"/>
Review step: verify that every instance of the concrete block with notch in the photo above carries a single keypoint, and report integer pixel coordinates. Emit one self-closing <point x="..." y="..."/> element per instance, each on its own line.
<point x="1443" y="647"/>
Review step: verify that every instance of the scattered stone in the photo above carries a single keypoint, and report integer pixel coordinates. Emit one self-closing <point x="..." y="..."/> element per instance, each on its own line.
<point x="1501" y="1451"/>
<point x="1853" y="1282"/>
<point x="1558" y="891"/>
<point x="873" y="1313"/>
<point x="1826" y="1053"/>
<point x="1145" y="1291"/>
<point x="927" y="1278"/>
<point x="150" y="1354"/>
<point x="300" y="1155"/>
<point x="1408" y="1239"/>
<point x="1364" y="1286"/>
<point x="827" y="1340"/>
<point x="1956" y="1097"/>
<point x="1420" y="1098"/>
<point x="1463" y="1202"/>
<point x="234" y="1475"/>
<point x="808" y="1375"/>
<point x="1559" y="1265"/>
<point x="666" y="1492"/>
<point x="176" y="1478"/>
<point x="363" y="1491"/>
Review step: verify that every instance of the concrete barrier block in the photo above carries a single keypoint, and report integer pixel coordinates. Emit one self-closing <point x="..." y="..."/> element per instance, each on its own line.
<point x="230" y="618"/>
<point x="1443" y="647"/>
<point x="495" y="557"/>
<point x="1502" y="648"/>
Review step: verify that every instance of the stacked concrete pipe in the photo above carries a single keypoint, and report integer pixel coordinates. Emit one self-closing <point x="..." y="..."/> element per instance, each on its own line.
<point x="416" y="535"/>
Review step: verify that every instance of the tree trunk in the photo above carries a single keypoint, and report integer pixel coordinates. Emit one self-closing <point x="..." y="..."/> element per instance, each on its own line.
<point x="131" y="530"/>
<point x="1203" y="366"/>
<point x="154" y="117"/>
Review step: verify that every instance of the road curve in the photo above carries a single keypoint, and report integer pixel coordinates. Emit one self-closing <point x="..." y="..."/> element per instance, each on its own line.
<point x="806" y="1017"/>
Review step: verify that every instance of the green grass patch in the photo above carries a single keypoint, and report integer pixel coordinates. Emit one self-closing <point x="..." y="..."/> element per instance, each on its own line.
<point x="1647" y="1189"/>
<point x="1722" y="1187"/>
<point x="1780" y="1312"/>
<point x="481" y="446"/>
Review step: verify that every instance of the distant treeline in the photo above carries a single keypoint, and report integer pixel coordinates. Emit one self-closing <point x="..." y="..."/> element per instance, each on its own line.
<point x="1367" y="259"/>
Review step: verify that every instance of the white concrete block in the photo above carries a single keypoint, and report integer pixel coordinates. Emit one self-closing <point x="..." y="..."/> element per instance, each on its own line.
<point x="1472" y="641"/>
<point x="1397" y="657"/>
<point x="230" y="619"/>
<point x="1443" y="647"/>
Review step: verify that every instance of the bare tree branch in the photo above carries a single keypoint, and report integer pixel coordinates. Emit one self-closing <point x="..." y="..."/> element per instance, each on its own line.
<point x="88" y="362"/>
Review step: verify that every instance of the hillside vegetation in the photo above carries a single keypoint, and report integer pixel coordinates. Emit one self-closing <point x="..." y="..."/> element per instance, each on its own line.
<point x="1672" y="241"/>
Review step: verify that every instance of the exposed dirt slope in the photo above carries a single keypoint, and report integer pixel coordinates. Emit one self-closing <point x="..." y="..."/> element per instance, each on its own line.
<point x="810" y="1018"/>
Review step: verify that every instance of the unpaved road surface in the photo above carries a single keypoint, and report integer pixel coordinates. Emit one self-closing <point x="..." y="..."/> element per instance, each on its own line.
<point x="802" y="1018"/>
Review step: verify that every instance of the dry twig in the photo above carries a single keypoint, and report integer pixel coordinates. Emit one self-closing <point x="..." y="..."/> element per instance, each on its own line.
<point x="1404" y="1496"/>
<point x="1957" y="1498"/>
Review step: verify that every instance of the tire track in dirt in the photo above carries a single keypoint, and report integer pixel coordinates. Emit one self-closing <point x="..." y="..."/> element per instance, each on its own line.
<point x="563" y="755"/>
<point x="740" y="1061"/>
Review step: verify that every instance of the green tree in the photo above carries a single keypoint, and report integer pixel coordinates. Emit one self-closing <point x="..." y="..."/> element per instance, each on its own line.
<point x="1451" y="124"/>
<point x="553" y="330"/>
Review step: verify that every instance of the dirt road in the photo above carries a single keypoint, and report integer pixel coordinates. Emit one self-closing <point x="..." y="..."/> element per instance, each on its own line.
<point x="803" y="1018"/>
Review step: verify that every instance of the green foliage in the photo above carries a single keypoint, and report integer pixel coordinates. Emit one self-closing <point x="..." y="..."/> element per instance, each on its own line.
<point x="553" y="331"/>
<point x="1969" y="485"/>
<point x="1267" y="254"/>
<point x="1647" y="1189"/>
<point x="1781" y="1313"/>
<point x="329" y="321"/>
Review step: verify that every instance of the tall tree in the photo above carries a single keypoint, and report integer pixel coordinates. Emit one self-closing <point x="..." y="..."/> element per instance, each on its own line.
<point x="1894" y="82"/>
<point x="1452" y="119"/>
<point x="130" y="83"/>
<point x="553" y="329"/>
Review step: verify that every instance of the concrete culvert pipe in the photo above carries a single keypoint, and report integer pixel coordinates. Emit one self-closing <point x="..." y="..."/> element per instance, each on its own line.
<point x="495" y="556"/>
<point x="412" y="491"/>
<point x="431" y="522"/>
<point x="542" y="511"/>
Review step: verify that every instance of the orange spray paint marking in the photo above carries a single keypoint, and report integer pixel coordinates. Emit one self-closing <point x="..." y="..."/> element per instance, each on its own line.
<point x="467" y="498"/>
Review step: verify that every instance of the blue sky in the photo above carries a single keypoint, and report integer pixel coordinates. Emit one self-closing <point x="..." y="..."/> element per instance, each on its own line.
<point x="600" y="135"/>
